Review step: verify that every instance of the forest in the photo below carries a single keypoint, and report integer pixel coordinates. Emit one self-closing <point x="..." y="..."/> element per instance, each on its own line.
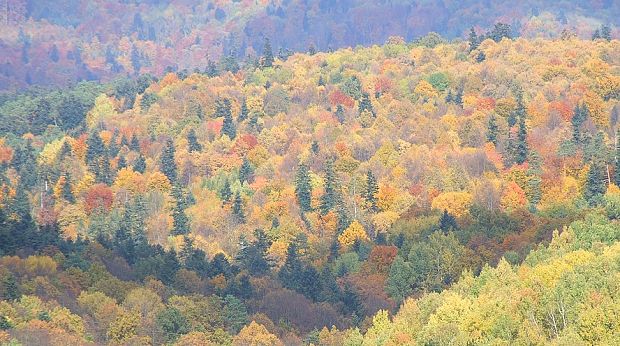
<point x="427" y="190"/>
<point x="62" y="42"/>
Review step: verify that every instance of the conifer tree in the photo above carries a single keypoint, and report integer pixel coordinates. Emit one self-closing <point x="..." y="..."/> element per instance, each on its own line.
<point x="135" y="143"/>
<point x="179" y="218"/>
<point x="211" y="69"/>
<point x="580" y="115"/>
<point x="140" y="164"/>
<point x="473" y="40"/>
<point x="268" y="59"/>
<point x="330" y="194"/>
<point x="534" y="172"/>
<point x="458" y="98"/>
<point x="492" y="130"/>
<point x="303" y="188"/>
<point x="226" y="192"/>
<point x="237" y="208"/>
<point x="340" y="114"/>
<point x="11" y="291"/>
<point x="245" y="171"/>
<point x="223" y="109"/>
<point x="617" y="160"/>
<point x="67" y="194"/>
<point x="192" y="141"/>
<point x="370" y="193"/>
<point x="606" y="32"/>
<point x="167" y="164"/>
<point x="122" y="163"/>
<point x="95" y="149"/>
<point x="595" y="182"/>
<point x="243" y="112"/>
<point x="365" y="104"/>
<point x="521" y="148"/>
<point x="447" y="222"/>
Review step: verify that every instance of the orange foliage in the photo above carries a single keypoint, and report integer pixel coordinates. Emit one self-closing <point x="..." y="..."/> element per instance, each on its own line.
<point x="98" y="197"/>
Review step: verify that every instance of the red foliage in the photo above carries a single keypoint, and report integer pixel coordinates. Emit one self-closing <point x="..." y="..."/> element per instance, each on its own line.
<point x="383" y="85"/>
<point x="98" y="197"/>
<point x="381" y="257"/>
<point x="337" y="97"/>
<point x="562" y="108"/>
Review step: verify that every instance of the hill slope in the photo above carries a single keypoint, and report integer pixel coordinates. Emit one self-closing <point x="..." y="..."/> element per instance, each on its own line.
<point x="60" y="42"/>
<point x="339" y="184"/>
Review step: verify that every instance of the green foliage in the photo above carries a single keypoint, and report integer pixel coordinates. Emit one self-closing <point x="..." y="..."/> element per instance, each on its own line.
<point x="173" y="324"/>
<point x="439" y="81"/>
<point x="352" y="87"/>
<point x="330" y="196"/>
<point x="167" y="163"/>
<point x="303" y="188"/>
<point x="595" y="183"/>
<point x="192" y="141"/>
<point x="370" y="193"/>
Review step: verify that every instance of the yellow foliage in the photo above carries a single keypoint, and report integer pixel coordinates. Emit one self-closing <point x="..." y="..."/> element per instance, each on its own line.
<point x="456" y="203"/>
<point x="103" y="108"/>
<point x="425" y="90"/>
<point x="158" y="181"/>
<point x="129" y="180"/>
<point x="255" y="334"/>
<point x="384" y="220"/>
<point x="354" y="232"/>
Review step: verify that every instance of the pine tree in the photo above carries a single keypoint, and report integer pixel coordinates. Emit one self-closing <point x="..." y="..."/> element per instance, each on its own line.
<point x="481" y="57"/>
<point x="580" y="115"/>
<point x="187" y="250"/>
<point x="303" y="188"/>
<point x="458" y="98"/>
<point x="222" y="109"/>
<point x="140" y="164"/>
<point x="226" y="192"/>
<point x="447" y="222"/>
<point x="253" y="257"/>
<point x="237" y="208"/>
<point x="366" y="105"/>
<point x="135" y="143"/>
<point x="268" y="59"/>
<point x="10" y="288"/>
<point x="521" y="148"/>
<point x="245" y="171"/>
<point x="340" y="114"/>
<point x="596" y="35"/>
<point x="179" y="218"/>
<point x="492" y="130"/>
<point x="122" y="163"/>
<point x="113" y="148"/>
<point x="243" y="113"/>
<point x="473" y="40"/>
<point x="103" y="174"/>
<point x="211" y="69"/>
<point x="370" y="193"/>
<point x="192" y="141"/>
<point x="67" y="194"/>
<point x="595" y="183"/>
<point x="534" y="171"/>
<point x="167" y="164"/>
<point x="95" y="149"/>
<point x="329" y="198"/>
<point x="449" y="97"/>
<point x="606" y="33"/>
<point x="617" y="160"/>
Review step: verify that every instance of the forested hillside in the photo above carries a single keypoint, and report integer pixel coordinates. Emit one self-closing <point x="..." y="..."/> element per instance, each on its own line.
<point x="414" y="192"/>
<point x="54" y="42"/>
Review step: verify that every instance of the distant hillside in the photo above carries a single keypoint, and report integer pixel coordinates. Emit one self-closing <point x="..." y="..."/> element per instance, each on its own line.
<point x="46" y="42"/>
<point x="272" y="201"/>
